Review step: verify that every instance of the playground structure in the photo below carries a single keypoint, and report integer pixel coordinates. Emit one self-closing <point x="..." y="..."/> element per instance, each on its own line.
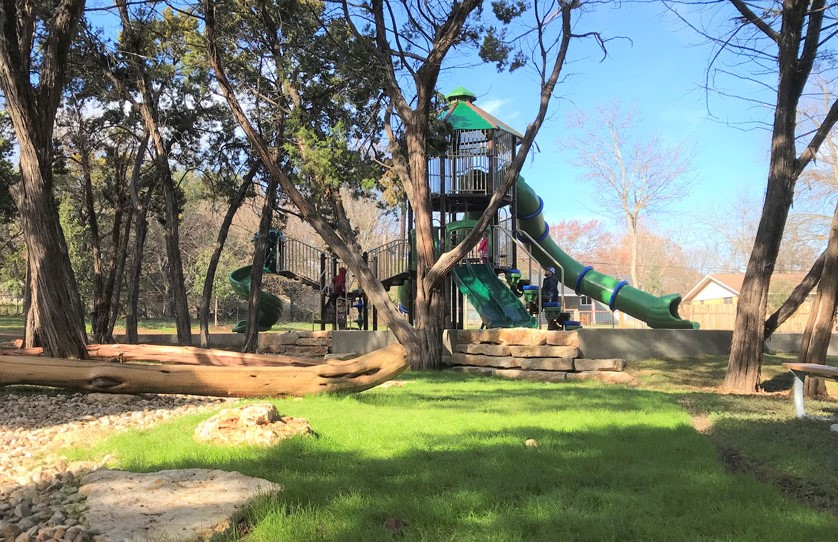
<point x="462" y="181"/>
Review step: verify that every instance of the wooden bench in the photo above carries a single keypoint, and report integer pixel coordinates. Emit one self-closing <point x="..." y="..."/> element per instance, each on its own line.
<point x="802" y="370"/>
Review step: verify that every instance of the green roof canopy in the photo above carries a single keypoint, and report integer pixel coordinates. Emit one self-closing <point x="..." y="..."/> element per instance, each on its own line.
<point x="461" y="93"/>
<point x="462" y="114"/>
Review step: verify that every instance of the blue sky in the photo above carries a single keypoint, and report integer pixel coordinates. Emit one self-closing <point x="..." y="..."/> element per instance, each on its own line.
<point x="658" y="74"/>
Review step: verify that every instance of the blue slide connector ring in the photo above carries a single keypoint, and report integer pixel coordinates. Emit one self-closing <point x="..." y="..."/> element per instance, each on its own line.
<point x="580" y="277"/>
<point x="614" y="294"/>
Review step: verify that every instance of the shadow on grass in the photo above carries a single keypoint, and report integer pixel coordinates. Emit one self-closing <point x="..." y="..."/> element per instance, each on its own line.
<point x="635" y="470"/>
<point x="605" y="485"/>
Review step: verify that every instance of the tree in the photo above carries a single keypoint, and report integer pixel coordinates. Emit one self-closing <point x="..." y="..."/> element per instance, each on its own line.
<point x="34" y="45"/>
<point x="235" y="201"/>
<point x="784" y="40"/>
<point x="818" y="330"/>
<point x="155" y="72"/>
<point x="412" y="56"/>
<point x="581" y="240"/>
<point x="634" y="176"/>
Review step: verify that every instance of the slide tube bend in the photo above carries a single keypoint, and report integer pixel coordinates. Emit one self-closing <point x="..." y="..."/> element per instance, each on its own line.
<point x="658" y="312"/>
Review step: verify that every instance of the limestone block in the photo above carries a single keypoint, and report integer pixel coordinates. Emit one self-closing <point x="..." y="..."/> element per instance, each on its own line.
<point x="311" y="351"/>
<point x="562" y="338"/>
<point x="544" y="351"/>
<point x="489" y="336"/>
<point x="484" y="361"/>
<point x="313" y="341"/>
<point x="609" y="377"/>
<point x="287" y="338"/>
<point x="546" y="364"/>
<point x="306" y="351"/>
<point x="522" y="336"/>
<point x="320" y="334"/>
<point x="484" y="349"/>
<point x="614" y="364"/>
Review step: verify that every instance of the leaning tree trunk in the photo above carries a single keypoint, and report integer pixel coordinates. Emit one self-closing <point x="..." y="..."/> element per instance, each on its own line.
<point x="251" y="340"/>
<point x="818" y="332"/>
<point x="119" y="277"/>
<point x="745" y="361"/>
<point x="133" y="301"/>
<point x="101" y="311"/>
<point x="209" y="280"/>
<point x="796" y="298"/>
<point x="176" y="280"/>
<point x="140" y="231"/>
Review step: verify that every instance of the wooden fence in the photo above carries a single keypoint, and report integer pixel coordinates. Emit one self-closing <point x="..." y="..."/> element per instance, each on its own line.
<point x="724" y="316"/>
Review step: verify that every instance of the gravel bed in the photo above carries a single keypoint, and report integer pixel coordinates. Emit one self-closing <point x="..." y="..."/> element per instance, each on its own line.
<point x="39" y="497"/>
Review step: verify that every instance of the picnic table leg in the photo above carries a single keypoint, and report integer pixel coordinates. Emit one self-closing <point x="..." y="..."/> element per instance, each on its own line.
<point x="798" y="394"/>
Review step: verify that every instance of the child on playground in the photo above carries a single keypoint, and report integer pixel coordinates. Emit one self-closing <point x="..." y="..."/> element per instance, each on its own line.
<point x="338" y="285"/>
<point x="550" y="286"/>
<point x="483" y="248"/>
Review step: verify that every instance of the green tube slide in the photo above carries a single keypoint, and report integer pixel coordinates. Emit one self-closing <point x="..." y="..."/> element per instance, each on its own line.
<point x="270" y="306"/>
<point x="657" y="312"/>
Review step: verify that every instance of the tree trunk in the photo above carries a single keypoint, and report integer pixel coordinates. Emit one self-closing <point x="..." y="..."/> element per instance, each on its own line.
<point x="796" y="298"/>
<point x="175" y="264"/>
<point x="120" y="272"/>
<point x="133" y="301"/>
<point x="429" y="322"/>
<point x="209" y="279"/>
<point x="56" y="306"/>
<point x="30" y="335"/>
<point x="745" y="361"/>
<point x="633" y="239"/>
<point x="101" y="312"/>
<point x="251" y="339"/>
<point x="148" y="109"/>
<point x="818" y="331"/>
<point x="429" y="309"/>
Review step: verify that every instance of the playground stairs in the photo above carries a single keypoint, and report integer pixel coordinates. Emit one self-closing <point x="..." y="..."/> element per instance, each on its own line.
<point x="529" y="354"/>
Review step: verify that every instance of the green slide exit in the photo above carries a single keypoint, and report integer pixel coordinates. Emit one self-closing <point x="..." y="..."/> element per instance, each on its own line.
<point x="270" y="306"/>
<point x="657" y="312"/>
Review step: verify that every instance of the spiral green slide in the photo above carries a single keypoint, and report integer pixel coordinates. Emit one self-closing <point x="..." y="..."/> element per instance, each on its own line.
<point x="657" y="312"/>
<point x="270" y="306"/>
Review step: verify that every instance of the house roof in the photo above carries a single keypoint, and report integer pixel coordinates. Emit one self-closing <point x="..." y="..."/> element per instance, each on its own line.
<point x="733" y="282"/>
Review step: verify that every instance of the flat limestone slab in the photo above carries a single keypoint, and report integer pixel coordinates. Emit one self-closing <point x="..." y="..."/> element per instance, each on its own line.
<point x="190" y="504"/>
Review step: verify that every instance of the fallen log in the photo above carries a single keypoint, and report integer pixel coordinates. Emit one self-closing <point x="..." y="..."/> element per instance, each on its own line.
<point x="342" y="376"/>
<point x="184" y="355"/>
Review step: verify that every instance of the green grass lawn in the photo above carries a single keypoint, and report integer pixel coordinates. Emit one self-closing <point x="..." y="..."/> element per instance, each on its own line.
<point x="446" y="455"/>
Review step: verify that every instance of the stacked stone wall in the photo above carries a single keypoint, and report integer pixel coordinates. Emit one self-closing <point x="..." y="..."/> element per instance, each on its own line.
<point x="305" y="344"/>
<point x="531" y="354"/>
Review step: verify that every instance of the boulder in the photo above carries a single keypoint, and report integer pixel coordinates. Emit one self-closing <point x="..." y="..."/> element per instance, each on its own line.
<point x="167" y="505"/>
<point x="254" y="425"/>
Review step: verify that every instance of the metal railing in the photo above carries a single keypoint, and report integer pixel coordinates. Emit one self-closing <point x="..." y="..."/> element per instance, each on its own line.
<point x="300" y="259"/>
<point x="389" y="260"/>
